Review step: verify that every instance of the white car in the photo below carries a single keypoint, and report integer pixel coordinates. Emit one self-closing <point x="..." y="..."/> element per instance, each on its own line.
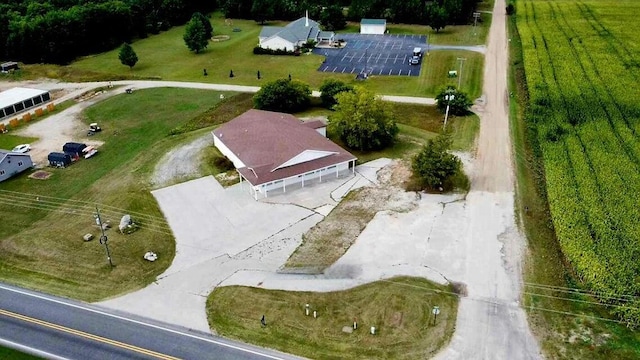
<point x="22" y="148"/>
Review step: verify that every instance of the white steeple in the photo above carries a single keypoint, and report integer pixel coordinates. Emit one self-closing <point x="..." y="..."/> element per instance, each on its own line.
<point x="306" y="18"/>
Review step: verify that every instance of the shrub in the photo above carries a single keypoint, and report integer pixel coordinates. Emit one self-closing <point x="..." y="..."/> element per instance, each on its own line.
<point x="263" y="51"/>
<point x="223" y="163"/>
<point x="435" y="166"/>
<point x="283" y="95"/>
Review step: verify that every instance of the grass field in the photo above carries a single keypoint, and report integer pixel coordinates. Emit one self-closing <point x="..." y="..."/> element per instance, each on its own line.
<point x="10" y="354"/>
<point x="399" y="308"/>
<point x="8" y="141"/>
<point x="40" y="240"/>
<point x="165" y="57"/>
<point x="578" y="124"/>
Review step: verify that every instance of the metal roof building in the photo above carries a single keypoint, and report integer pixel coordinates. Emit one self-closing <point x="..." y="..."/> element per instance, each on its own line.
<point x="272" y="150"/>
<point x="373" y="26"/>
<point x="18" y="99"/>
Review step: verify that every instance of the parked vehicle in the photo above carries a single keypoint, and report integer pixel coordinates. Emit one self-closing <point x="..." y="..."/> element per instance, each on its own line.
<point x="22" y="148"/>
<point x="416" y="56"/>
<point x="93" y="128"/>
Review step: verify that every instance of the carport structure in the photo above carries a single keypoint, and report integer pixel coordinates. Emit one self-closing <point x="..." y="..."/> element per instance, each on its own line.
<point x="18" y="99"/>
<point x="373" y="55"/>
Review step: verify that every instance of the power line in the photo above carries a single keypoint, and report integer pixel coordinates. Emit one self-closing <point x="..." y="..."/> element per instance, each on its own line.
<point x="84" y="202"/>
<point x="75" y="211"/>
<point x="612" y="296"/>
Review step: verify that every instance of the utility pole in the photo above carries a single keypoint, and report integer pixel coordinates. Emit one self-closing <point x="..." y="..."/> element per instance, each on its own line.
<point x="447" y="97"/>
<point x="103" y="238"/>
<point x="427" y="44"/>
<point x="476" y="15"/>
<point x="460" y="76"/>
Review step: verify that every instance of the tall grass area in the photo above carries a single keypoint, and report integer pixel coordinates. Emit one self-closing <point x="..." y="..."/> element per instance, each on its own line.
<point x="165" y="56"/>
<point x="41" y="242"/>
<point x="399" y="308"/>
<point x="563" y="311"/>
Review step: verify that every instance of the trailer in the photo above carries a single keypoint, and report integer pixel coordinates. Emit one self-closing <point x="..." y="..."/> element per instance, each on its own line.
<point x="74" y="149"/>
<point x="57" y="159"/>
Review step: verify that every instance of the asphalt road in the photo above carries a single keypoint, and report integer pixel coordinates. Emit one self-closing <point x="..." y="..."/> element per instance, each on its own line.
<point x="58" y="328"/>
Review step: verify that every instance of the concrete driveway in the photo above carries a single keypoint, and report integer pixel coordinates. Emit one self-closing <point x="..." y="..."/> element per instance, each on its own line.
<point x="220" y="232"/>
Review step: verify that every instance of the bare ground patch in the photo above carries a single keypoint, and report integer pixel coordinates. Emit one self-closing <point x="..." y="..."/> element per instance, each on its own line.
<point x="328" y="240"/>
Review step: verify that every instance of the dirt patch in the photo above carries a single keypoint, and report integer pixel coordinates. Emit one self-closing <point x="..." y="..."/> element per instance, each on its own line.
<point x="58" y="129"/>
<point x="40" y="175"/>
<point x="326" y="242"/>
<point x="181" y="163"/>
<point x="219" y="38"/>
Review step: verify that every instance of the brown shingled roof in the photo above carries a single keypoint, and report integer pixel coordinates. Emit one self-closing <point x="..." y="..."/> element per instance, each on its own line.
<point x="314" y="124"/>
<point x="264" y="140"/>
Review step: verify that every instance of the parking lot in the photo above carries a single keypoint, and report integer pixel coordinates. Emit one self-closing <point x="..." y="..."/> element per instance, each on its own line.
<point x="373" y="55"/>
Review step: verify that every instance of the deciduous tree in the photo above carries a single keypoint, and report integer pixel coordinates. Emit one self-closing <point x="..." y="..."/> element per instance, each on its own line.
<point x="459" y="105"/>
<point x="329" y="89"/>
<point x="332" y="18"/>
<point x="262" y="10"/>
<point x="362" y="120"/>
<point x="283" y="95"/>
<point x="437" y="17"/>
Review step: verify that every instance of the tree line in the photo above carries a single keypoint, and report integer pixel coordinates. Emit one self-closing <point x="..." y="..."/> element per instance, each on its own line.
<point x="395" y="11"/>
<point x="58" y="31"/>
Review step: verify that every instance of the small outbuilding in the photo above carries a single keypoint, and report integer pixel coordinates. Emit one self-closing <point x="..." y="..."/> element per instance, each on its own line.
<point x="12" y="163"/>
<point x="15" y="100"/>
<point x="73" y="149"/>
<point x="5" y="67"/>
<point x="373" y="26"/>
<point x="58" y="159"/>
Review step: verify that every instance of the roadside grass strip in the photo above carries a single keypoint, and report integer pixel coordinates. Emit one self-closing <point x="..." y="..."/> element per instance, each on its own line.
<point x="400" y="309"/>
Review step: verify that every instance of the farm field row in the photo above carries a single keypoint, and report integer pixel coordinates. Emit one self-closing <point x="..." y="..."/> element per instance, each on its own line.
<point x="582" y="68"/>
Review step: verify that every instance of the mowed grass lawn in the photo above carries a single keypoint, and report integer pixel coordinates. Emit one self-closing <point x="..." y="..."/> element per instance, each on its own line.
<point x="10" y="354"/>
<point x="399" y="308"/>
<point x="43" y="220"/>
<point x="165" y="56"/>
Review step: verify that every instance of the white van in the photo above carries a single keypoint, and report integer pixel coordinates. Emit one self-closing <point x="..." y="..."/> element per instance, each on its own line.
<point x="415" y="58"/>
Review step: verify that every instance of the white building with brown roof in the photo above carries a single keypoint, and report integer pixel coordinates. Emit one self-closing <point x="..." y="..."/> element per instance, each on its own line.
<point x="272" y="150"/>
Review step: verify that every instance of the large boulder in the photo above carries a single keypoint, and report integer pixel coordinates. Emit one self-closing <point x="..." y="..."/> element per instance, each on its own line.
<point x="124" y="223"/>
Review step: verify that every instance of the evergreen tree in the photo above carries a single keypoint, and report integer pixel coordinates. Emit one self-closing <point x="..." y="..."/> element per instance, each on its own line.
<point x="127" y="56"/>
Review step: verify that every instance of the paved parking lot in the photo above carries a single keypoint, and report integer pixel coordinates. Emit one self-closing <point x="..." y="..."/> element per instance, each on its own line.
<point x="373" y="54"/>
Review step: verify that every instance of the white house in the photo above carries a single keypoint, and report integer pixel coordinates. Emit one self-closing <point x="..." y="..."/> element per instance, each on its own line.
<point x="373" y="26"/>
<point x="272" y="150"/>
<point x="12" y="163"/>
<point x="292" y="36"/>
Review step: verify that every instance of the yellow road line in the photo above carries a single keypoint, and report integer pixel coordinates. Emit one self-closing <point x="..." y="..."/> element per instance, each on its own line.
<point x="87" y="335"/>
